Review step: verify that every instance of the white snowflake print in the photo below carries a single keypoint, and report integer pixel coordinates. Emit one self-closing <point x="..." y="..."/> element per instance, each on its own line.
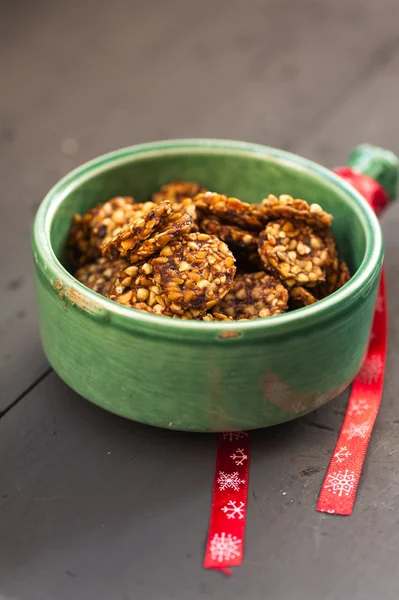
<point x="358" y="407"/>
<point x="234" y="435"/>
<point x="234" y="509"/>
<point x="342" y="454"/>
<point x="229" y="480"/>
<point x="341" y="482"/>
<point x="239" y="456"/>
<point x="371" y="370"/>
<point x="224" y="547"/>
<point x="355" y="430"/>
<point x="379" y="304"/>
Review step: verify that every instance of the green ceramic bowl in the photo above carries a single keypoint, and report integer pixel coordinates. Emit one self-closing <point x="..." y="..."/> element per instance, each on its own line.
<point x="201" y="376"/>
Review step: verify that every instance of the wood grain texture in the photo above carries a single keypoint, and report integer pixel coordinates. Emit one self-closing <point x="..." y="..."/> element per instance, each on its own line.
<point x="78" y="522"/>
<point x="97" y="507"/>
<point x="369" y="114"/>
<point x="78" y="81"/>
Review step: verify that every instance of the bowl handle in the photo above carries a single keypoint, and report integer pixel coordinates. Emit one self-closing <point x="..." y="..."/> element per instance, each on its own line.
<point x="374" y="173"/>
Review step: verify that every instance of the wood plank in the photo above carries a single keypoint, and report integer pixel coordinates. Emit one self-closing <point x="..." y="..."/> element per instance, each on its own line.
<point x="368" y="114"/>
<point x="78" y="81"/>
<point x="95" y="507"/>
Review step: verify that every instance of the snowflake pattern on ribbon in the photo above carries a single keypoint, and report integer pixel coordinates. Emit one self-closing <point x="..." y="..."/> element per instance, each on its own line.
<point x="371" y="370"/>
<point x="234" y="509"/>
<point x="234" y="435"/>
<point x="355" y="430"/>
<point x="341" y="482"/>
<point x="342" y="454"/>
<point x="339" y="487"/>
<point x="229" y="481"/>
<point x="239" y="456"/>
<point x="358" y="407"/>
<point x="224" y="547"/>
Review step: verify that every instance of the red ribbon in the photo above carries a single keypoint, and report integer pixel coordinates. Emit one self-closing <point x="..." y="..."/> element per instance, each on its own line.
<point x="372" y="191"/>
<point x="337" y="495"/>
<point x="338" y="491"/>
<point x="225" y="546"/>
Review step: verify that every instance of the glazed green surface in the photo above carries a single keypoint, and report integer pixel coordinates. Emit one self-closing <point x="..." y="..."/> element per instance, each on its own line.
<point x="195" y="375"/>
<point x="379" y="164"/>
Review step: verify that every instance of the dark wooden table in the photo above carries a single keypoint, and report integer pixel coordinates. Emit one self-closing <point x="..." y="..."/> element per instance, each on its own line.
<point x="95" y="507"/>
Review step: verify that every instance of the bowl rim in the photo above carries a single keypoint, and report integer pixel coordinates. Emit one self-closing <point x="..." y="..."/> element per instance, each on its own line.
<point x="127" y="317"/>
